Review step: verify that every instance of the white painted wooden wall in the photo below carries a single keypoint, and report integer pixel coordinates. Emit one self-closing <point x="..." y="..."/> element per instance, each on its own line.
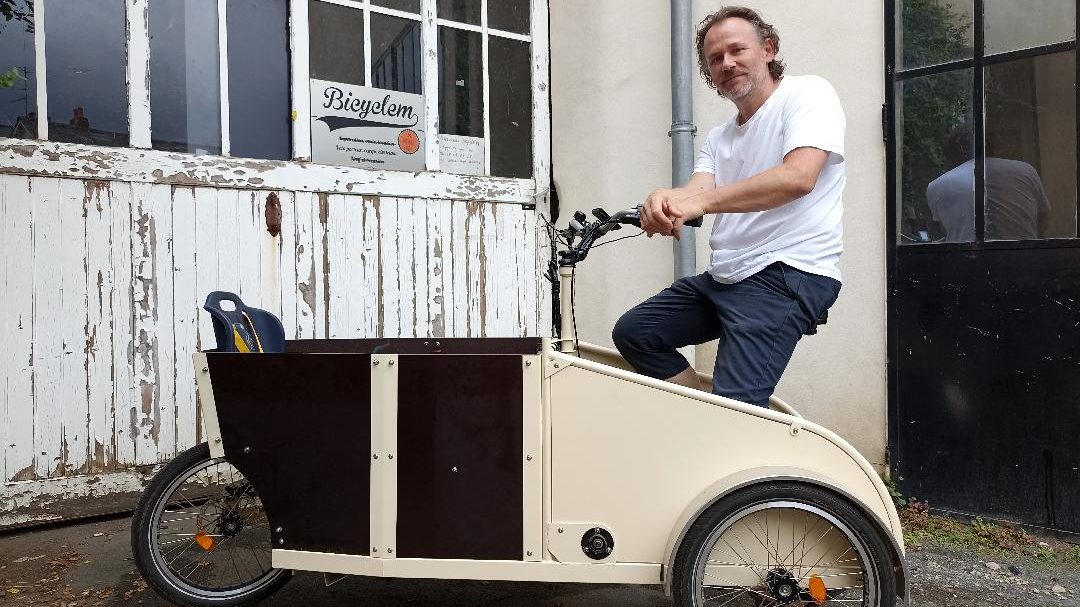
<point x="103" y="285"/>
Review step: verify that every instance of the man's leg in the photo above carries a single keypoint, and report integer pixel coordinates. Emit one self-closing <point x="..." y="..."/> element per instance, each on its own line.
<point x="648" y="335"/>
<point x="763" y="317"/>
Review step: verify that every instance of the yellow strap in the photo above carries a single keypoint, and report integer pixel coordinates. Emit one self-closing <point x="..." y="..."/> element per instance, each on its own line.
<point x="238" y="341"/>
<point x="254" y="333"/>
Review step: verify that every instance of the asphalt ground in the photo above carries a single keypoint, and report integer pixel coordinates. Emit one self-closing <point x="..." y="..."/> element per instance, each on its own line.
<point x="90" y="564"/>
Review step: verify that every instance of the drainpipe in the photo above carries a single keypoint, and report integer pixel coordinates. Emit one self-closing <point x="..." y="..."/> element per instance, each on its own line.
<point x="682" y="131"/>
<point x="682" y="122"/>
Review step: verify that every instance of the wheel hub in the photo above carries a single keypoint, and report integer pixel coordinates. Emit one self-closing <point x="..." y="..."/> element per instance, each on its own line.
<point x="230" y="524"/>
<point x="783" y="586"/>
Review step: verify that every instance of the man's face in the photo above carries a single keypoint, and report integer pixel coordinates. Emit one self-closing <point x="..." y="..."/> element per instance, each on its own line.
<point x="738" y="61"/>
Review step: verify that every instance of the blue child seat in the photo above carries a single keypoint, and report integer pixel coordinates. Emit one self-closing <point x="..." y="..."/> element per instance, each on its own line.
<point x="244" y="329"/>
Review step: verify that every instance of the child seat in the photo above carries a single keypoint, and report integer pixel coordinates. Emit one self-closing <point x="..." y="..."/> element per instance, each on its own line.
<point x="244" y="329"/>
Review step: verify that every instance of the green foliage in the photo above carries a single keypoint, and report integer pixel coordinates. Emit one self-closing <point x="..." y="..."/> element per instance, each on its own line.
<point x="930" y="107"/>
<point x="20" y="11"/>
<point x="898" y="498"/>
<point x="8" y="78"/>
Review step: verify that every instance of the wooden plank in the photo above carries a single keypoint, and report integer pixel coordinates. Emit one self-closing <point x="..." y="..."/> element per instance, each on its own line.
<point x="249" y="235"/>
<point x="151" y="225"/>
<point x="462" y="264"/>
<point x="206" y="263"/>
<point x="48" y="334"/>
<point x="320" y="235"/>
<point x="306" y="218"/>
<point x="337" y="230"/>
<point x="372" y="266"/>
<point x="163" y="429"/>
<point x="435" y="309"/>
<point x="187" y="309"/>
<point x="99" y="278"/>
<point x="123" y="327"/>
<point x="355" y="279"/>
<point x="533" y="274"/>
<point x="421" y="325"/>
<point x="17" y="339"/>
<point x="286" y="262"/>
<point x="389" y="279"/>
<point x="271" y="251"/>
<point x="406" y="286"/>
<point x="476" y="262"/>
<point x="72" y="404"/>
<point x="228" y="241"/>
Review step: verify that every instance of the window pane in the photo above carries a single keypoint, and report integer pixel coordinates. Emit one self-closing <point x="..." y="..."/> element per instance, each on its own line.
<point x="509" y="15"/>
<point x="937" y="198"/>
<point x="185" y="101"/>
<point x="409" y="6"/>
<point x="395" y="51"/>
<point x="1031" y="148"/>
<point x="259" y="124"/>
<point x="86" y="76"/>
<point x="18" y="116"/>
<point x="511" y="108"/>
<point x="1012" y="25"/>
<point x="461" y="83"/>
<point x="464" y="11"/>
<point x="337" y="42"/>
<point x="934" y="31"/>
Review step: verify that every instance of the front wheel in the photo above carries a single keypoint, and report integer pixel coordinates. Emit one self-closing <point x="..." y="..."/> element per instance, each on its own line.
<point x="783" y="544"/>
<point x="200" y="536"/>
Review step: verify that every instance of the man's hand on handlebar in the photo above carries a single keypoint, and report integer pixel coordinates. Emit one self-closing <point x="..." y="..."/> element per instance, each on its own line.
<point x="666" y="211"/>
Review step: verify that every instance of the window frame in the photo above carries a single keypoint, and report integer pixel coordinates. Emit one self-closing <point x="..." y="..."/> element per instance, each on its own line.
<point x="895" y="75"/>
<point x="299" y="173"/>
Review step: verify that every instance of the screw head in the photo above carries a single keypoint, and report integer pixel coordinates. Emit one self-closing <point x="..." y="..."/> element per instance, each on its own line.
<point x="390" y="362"/>
<point x="528" y="553"/>
<point x="561" y="530"/>
<point x="217" y="441"/>
<point x="375" y="362"/>
<point x="391" y="456"/>
<point x="206" y="369"/>
<point x="528" y="458"/>
<point x="454" y="469"/>
<point x="278" y="530"/>
<point x="374" y="549"/>
<point x="389" y="550"/>
<point x="281" y="542"/>
<point x="528" y="363"/>
<point x="247" y="449"/>
<point x="374" y="456"/>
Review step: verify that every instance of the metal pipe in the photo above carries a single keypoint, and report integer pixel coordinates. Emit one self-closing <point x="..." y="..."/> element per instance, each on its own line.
<point x="567" y="334"/>
<point x="682" y="122"/>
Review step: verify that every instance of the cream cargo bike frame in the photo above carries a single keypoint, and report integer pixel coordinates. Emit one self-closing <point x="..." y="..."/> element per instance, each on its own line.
<point x="520" y="459"/>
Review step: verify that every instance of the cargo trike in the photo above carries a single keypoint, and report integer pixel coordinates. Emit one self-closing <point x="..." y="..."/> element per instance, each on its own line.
<point x="521" y="459"/>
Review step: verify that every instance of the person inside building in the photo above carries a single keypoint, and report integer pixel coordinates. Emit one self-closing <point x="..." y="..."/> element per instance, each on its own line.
<point x="772" y="176"/>
<point x="1016" y="204"/>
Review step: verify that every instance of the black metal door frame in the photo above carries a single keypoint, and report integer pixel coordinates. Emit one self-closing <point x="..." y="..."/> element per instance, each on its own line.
<point x="895" y="252"/>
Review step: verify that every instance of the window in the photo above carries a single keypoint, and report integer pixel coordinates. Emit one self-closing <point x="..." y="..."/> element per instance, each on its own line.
<point x="18" y="82"/>
<point x="479" y="88"/>
<point x="985" y="121"/>
<point x="455" y="87"/>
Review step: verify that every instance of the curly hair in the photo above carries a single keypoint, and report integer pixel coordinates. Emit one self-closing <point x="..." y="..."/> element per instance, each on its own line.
<point x="765" y="32"/>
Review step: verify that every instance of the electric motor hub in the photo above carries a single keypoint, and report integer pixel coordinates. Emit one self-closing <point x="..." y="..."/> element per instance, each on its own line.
<point x="597" y="543"/>
<point x="783" y="586"/>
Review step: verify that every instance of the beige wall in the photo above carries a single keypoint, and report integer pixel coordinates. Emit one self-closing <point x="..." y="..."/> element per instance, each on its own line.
<point x="611" y="103"/>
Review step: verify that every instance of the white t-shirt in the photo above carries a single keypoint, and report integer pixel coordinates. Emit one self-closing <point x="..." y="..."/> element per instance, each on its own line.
<point x="1014" y="200"/>
<point x="806" y="233"/>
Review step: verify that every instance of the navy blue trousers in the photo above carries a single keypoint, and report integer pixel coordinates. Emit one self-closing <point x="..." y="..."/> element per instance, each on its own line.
<point x="757" y="321"/>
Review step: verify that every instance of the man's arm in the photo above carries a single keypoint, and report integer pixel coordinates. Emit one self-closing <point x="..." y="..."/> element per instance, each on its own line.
<point x="666" y="211"/>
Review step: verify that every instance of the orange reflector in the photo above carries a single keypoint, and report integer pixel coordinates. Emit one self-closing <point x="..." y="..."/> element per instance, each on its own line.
<point x="817" y="590"/>
<point x="207" y="543"/>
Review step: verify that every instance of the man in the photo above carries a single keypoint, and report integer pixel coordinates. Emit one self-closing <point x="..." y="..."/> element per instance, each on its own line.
<point x="773" y="176"/>
<point x="1016" y="204"/>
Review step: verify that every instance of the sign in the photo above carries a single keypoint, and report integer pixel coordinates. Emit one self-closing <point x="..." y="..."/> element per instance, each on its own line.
<point x="366" y="127"/>
<point x="461" y="155"/>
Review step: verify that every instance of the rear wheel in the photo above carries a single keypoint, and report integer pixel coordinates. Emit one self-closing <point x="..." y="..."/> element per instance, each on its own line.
<point x="783" y="544"/>
<point x="200" y="536"/>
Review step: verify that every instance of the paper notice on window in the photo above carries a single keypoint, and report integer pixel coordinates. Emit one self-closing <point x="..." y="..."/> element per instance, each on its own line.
<point x="366" y="127"/>
<point x="461" y="155"/>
